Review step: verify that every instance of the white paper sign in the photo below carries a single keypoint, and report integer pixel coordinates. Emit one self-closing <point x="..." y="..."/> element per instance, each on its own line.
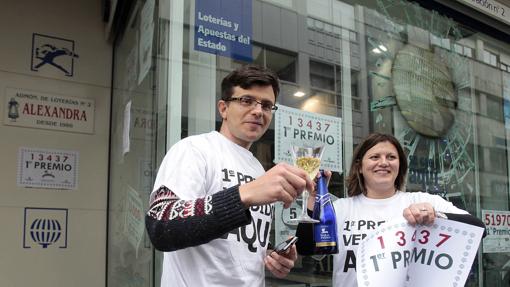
<point x="134" y="224"/>
<point x="46" y="111"/>
<point x="146" y="35"/>
<point x="126" y="139"/>
<point x="294" y="125"/>
<point x="497" y="223"/>
<point x="397" y="254"/>
<point x="47" y="168"/>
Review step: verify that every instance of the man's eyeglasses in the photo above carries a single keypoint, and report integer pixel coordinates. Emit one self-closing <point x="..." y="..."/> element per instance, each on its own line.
<point x="250" y="102"/>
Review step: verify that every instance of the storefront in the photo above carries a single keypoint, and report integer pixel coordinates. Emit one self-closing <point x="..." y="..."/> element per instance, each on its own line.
<point x="430" y="77"/>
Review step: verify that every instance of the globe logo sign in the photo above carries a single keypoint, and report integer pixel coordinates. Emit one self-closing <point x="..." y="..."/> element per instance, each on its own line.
<point x="45" y="228"/>
<point x="45" y="231"/>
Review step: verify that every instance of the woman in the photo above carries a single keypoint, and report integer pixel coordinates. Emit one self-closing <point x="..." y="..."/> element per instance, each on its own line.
<point x="375" y="183"/>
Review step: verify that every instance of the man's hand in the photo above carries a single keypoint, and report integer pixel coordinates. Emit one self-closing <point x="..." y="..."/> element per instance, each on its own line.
<point x="283" y="183"/>
<point x="280" y="264"/>
<point x="420" y="213"/>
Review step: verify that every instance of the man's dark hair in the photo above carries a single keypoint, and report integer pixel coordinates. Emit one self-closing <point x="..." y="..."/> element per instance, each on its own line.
<point x="355" y="180"/>
<point x="248" y="76"/>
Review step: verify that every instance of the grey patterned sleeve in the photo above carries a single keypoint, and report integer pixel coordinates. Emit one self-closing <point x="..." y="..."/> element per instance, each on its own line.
<point x="174" y="224"/>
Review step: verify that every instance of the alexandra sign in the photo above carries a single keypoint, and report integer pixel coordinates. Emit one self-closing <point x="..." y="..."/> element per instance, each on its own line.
<point x="44" y="111"/>
<point x="491" y="7"/>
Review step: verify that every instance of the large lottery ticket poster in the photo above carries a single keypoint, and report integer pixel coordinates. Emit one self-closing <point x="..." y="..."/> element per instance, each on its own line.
<point x="398" y="254"/>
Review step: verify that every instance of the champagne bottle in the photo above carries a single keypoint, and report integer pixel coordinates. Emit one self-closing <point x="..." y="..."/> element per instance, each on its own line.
<point x="324" y="232"/>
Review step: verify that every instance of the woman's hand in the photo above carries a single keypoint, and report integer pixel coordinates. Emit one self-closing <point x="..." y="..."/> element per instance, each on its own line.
<point x="420" y="213"/>
<point x="311" y="198"/>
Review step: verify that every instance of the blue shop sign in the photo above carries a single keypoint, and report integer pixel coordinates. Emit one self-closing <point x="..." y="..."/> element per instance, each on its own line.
<point x="224" y="27"/>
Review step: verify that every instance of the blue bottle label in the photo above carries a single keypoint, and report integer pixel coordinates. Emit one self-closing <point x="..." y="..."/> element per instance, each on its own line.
<point x="325" y="231"/>
<point x="324" y="235"/>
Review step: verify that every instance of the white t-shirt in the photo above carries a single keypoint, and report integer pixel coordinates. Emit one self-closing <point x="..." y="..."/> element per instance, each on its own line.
<point x="358" y="215"/>
<point x="199" y="166"/>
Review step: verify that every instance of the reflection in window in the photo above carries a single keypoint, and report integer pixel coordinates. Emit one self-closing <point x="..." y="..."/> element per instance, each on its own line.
<point x="258" y="55"/>
<point x="283" y="64"/>
<point x="468" y="52"/>
<point x="497" y="160"/>
<point x="490" y="58"/>
<point x="283" y="3"/>
<point x="504" y="66"/>
<point x="322" y="76"/>
<point x="495" y="108"/>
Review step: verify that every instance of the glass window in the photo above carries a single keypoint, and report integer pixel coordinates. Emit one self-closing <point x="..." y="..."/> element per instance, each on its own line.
<point x="137" y="130"/>
<point x="284" y="3"/>
<point x="283" y="64"/>
<point x="322" y="75"/>
<point x="414" y="73"/>
<point x="458" y="48"/>
<point x="495" y="108"/>
<point x="497" y="162"/>
<point x="489" y="58"/>
<point x="468" y="52"/>
<point x="258" y="56"/>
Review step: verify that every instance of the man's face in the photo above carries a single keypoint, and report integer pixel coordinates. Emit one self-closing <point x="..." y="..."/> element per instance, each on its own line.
<point x="245" y="124"/>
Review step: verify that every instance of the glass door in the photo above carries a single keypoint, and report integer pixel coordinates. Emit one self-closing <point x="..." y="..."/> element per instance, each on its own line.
<point x="139" y="134"/>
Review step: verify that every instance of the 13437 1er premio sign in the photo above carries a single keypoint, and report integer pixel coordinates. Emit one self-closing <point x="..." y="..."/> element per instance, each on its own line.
<point x="398" y="254"/>
<point x="294" y="126"/>
<point x="45" y="111"/>
<point x="47" y="168"/>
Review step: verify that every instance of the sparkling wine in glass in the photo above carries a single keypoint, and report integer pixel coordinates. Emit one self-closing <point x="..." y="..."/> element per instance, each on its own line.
<point x="308" y="158"/>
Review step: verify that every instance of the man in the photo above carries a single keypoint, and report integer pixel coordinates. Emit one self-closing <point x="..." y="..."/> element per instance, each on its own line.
<point x="211" y="207"/>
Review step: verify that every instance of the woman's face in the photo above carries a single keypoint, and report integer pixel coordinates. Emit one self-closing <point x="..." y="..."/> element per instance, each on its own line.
<point x="379" y="168"/>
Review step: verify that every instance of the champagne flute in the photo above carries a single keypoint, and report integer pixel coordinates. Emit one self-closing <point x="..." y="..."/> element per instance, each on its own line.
<point x="308" y="158"/>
